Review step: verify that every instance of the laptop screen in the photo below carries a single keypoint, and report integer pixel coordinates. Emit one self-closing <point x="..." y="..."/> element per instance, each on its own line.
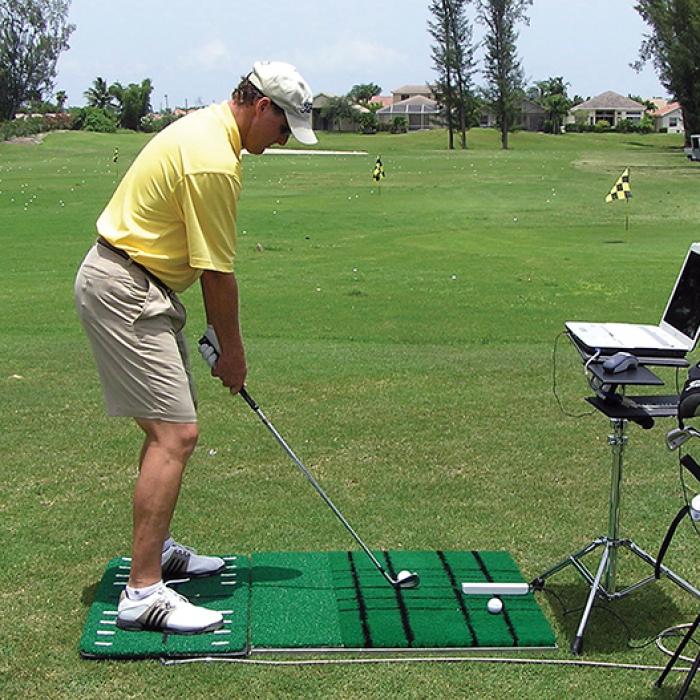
<point x="683" y="310"/>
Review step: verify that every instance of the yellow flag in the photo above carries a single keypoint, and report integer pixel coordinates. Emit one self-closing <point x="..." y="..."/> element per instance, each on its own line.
<point x="621" y="189"/>
<point x="378" y="172"/>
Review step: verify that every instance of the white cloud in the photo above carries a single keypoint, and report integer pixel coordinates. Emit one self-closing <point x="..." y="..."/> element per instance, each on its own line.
<point x="348" y="55"/>
<point x="211" y="56"/>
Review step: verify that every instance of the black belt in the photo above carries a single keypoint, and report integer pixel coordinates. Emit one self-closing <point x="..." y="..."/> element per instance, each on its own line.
<point x="123" y="254"/>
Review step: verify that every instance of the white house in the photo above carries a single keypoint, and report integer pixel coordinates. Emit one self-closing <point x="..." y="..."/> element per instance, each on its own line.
<point x="610" y="106"/>
<point x="668" y="116"/>
<point x="419" y="112"/>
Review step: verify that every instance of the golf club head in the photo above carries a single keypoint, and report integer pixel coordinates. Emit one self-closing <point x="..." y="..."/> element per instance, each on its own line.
<point x="676" y="437"/>
<point x="679" y="436"/>
<point x="407" y="579"/>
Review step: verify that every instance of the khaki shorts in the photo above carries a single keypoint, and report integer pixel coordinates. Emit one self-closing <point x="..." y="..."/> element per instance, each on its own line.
<point x="135" y="329"/>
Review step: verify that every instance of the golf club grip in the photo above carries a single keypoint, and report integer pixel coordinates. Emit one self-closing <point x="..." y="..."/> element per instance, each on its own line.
<point x="248" y="399"/>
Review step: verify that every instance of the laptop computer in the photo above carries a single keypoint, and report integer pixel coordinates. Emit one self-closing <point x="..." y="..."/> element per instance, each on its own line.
<point x="676" y="334"/>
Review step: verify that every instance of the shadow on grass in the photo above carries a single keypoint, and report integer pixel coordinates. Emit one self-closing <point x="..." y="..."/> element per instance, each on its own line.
<point x="267" y="574"/>
<point x="613" y="626"/>
<point x="87" y="597"/>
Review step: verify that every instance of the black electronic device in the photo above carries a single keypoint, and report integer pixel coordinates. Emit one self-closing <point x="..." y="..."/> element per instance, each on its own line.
<point x="620" y="362"/>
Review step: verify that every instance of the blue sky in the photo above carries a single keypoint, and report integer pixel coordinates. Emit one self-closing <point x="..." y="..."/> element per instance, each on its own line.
<point x="197" y="51"/>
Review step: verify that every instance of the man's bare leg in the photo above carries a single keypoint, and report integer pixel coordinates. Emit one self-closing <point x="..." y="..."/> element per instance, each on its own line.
<point x="165" y="452"/>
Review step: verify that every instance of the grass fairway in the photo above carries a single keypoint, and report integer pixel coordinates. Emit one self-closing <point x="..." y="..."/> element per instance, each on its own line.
<point x="402" y="342"/>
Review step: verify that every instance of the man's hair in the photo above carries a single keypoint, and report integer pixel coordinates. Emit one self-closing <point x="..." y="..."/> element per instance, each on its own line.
<point x="247" y="94"/>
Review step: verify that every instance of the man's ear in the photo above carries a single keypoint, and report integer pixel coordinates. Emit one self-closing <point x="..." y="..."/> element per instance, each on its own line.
<point x="262" y="105"/>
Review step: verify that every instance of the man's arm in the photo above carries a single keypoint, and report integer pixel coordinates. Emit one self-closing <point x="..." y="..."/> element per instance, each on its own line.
<point x="220" y="292"/>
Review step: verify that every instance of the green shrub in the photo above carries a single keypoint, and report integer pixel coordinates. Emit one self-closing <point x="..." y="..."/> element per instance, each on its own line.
<point x="35" y="124"/>
<point x="153" y="122"/>
<point x="602" y="125"/>
<point x="625" y="126"/>
<point x="368" y="123"/>
<point x="646" y="124"/>
<point x="399" y="125"/>
<point x="99" y="120"/>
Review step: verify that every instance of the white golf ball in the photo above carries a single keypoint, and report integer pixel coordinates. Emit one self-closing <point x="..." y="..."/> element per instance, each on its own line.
<point x="494" y="606"/>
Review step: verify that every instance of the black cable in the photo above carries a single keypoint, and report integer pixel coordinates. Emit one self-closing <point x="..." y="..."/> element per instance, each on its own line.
<point x="664" y="634"/>
<point x="554" y="383"/>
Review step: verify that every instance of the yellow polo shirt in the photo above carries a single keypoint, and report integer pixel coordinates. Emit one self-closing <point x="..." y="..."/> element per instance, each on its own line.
<point x="174" y="212"/>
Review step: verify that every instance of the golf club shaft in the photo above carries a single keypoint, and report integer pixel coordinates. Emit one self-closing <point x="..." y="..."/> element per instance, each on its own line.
<point x="257" y="410"/>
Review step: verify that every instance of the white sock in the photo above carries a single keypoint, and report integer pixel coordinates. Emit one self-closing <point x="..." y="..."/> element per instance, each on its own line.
<point x="169" y="542"/>
<point x="141" y="593"/>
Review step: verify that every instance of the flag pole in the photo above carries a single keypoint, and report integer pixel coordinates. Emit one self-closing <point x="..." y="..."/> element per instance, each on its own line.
<point x="627" y="202"/>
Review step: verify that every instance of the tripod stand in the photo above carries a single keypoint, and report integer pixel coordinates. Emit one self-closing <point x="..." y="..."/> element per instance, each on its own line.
<point x="603" y="583"/>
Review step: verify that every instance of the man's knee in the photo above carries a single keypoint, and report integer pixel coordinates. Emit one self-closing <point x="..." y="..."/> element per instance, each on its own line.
<point x="178" y="438"/>
<point x="188" y="434"/>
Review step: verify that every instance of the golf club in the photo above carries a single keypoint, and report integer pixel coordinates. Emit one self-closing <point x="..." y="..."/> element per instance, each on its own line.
<point x="209" y="349"/>
<point x="678" y="436"/>
<point x="404" y="579"/>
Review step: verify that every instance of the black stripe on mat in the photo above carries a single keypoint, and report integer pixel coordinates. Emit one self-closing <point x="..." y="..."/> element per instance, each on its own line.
<point x="408" y="632"/>
<point x="506" y="616"/>
<point x="361" y="607"/>
<point x="456" y="589"/>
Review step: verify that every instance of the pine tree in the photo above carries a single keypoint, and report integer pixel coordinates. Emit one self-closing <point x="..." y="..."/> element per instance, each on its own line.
<point x="502" y="70"/>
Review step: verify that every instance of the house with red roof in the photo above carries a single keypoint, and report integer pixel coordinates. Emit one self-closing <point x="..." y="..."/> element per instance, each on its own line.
<point x="668" y="116"/>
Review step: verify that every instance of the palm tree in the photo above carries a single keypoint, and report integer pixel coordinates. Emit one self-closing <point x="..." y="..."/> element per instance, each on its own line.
<point x="61" y="98"/>
<point x="99" y="95"/>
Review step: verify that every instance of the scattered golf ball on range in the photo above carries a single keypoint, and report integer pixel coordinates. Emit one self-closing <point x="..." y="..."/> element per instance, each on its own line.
<point x="494" y="606"/>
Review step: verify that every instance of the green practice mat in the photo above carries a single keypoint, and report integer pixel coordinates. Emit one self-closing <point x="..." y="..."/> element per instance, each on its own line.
<point x="338" y="600"/>
<point x="294" y="601"/>
<point x="228" y="592"/>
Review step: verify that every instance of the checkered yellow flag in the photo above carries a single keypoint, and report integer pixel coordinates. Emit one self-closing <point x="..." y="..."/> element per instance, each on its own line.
<point x="621" y="189"/>
<point x="378" y="172"/>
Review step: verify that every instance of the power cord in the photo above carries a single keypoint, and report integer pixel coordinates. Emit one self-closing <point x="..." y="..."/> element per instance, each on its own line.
<point x="554" y="381"/>
<point x="657" y="639"/>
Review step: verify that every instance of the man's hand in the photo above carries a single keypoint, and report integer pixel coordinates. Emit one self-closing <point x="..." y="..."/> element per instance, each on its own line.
<point x="230" y="367"/>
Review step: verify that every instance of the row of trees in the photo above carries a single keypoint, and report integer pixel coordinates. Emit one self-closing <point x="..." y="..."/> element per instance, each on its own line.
<point x="453" y="60"/>
<point x="128" y="105"/>
<point x="673" y="45"/>
<point x="33" y="34"/>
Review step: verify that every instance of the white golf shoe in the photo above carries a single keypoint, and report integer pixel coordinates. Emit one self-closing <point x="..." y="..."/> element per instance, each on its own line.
<point x="180" y="561"/>
<point x="166" y="611"/>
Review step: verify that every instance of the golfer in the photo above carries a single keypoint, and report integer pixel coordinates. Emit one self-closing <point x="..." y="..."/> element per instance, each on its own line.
<point x="171" y="222"/>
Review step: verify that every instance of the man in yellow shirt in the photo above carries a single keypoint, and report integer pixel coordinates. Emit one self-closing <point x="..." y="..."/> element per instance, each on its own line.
<point x="171" y="221"/>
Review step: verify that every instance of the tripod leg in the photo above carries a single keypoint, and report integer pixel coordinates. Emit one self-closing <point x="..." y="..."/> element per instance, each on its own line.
<point x="689" y="678"/>
<point x="678" y="652"/>
<point x="577" y="645"/>
<point x="538" y="582"/>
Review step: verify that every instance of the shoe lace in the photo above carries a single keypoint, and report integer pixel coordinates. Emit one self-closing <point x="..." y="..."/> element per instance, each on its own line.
<point x="170" y="597"/>
<point x="183" y="548"/>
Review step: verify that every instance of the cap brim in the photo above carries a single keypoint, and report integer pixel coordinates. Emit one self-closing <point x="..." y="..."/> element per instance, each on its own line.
<point x="301" y="130"/>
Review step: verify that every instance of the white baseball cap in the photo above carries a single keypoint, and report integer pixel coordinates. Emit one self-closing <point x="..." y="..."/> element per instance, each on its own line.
<point x="282" y="83"/>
